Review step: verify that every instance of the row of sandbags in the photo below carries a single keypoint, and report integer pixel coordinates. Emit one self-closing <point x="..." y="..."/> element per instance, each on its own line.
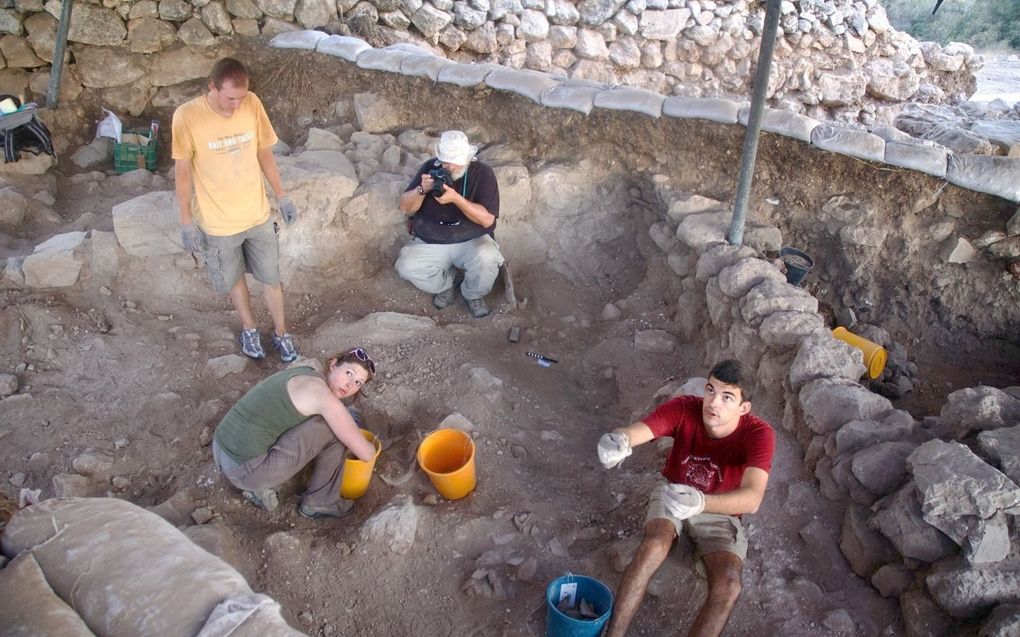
<point x="105" y="567"/>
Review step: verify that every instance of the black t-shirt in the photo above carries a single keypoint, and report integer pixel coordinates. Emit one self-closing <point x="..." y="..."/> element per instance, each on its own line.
<point x="445" y="223"/>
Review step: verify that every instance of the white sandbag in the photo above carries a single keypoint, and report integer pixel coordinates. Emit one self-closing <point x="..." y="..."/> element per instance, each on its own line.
<point x="127" y="572"/>
<point x="30" y="608"/>
<point x="298" y="40"/>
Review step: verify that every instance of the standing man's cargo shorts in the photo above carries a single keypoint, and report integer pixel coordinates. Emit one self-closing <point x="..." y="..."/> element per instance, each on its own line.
<point x="255" y="250"/>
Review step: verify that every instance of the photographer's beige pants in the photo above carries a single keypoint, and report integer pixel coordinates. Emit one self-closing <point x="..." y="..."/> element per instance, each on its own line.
<point x="429" y="266"/>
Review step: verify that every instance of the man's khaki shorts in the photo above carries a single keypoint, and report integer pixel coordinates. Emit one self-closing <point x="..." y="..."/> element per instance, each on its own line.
<point x="255" y="250"/>
<point x="710" y="532"/>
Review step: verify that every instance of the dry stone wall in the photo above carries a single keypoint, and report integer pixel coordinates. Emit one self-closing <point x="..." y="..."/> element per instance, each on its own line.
<point x="835" y="59"/>
<point x="995" y="175"/>
<point x="929" y="506"/>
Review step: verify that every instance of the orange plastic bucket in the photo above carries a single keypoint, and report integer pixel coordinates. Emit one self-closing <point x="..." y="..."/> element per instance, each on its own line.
<point x="358" y="473"/>
<point x="875" y="355"/>
<point x="447" y="456"/>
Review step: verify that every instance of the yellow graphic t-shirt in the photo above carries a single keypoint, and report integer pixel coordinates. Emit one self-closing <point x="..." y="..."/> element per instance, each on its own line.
<point x="229" y="191"/>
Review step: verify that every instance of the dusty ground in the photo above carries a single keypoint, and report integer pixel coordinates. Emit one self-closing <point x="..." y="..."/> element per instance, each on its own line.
<point x="124" y="370"/>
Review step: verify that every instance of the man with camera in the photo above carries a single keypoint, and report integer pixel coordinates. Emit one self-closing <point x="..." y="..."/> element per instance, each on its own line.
<point x="716" y="471"/>
<point x="453" y="203"/>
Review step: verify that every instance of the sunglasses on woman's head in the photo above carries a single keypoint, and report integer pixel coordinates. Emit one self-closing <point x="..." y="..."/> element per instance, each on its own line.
<point x="362" y="356"/>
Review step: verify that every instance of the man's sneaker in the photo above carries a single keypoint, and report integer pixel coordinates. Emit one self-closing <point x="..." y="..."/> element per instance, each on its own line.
<point x="285" y="346"/>
<point x="251" y="344"/>
<point x="263" y="498"/>
<point x="443" y="300"/>
<point x="477" y="308"/>
<point x="342" y="507"/>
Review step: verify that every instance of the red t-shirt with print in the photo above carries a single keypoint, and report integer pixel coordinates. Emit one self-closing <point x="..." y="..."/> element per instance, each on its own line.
<point x="712" y="465"/>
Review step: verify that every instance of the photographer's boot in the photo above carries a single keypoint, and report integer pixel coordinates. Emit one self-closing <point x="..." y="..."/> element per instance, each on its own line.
<point x="443" y="299"/>
<point x="477" y="307"/>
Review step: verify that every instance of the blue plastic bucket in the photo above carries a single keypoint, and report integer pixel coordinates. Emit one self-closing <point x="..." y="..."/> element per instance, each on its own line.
<point x="798" y="264"/>
<point x="593" y="591"/>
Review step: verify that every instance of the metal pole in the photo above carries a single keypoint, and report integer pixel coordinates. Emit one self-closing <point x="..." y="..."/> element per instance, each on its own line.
<point x="57" y="65"/>
<point x="750" y="152"/>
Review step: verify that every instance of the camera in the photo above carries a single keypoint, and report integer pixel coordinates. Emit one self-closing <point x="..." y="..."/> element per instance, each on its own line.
<point x="441" y="176"/>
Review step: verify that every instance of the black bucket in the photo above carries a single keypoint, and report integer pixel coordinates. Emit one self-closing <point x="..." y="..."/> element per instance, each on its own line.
<point x="798" y="264"/>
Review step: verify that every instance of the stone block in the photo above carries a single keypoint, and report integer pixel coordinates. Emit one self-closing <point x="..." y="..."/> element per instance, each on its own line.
<point x="148" y="225"/>
<point x="864" y="548"/>
<point x="736" y="280"/>
<point x="717" y="257"/>
<point x="823" y="356"/>
<point x="899" y="519"/>
<point x="978" y="408"/>
<point x="374" y="114"/>
<point x="784" y="329"/>
<point x="882" y="468"/>
<point x="1002" y="446"/>
<point x="56" y="262"/>
<point x="829" y="403"/>
<point x="967" y="591"/>
<point x="772" y="296"/>
<point x="702" y="230"/>
<point x="959" y="492"/>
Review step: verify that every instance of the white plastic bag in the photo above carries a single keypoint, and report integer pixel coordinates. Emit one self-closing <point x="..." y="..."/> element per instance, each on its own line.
<point x="110" y="126"/>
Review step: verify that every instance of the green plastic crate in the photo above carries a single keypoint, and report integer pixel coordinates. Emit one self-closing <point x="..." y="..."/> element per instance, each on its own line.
<point x="128" y="157"/>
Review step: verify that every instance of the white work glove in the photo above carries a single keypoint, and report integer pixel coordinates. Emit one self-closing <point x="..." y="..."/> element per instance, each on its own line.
<point x="191" y="238"/>
<point x="683" y="501"/>
<point x="288" y="210"/>
<point x="613" y="448"/>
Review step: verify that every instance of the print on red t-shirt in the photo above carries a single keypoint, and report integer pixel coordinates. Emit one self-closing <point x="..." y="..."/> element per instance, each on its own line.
<point x="712" y="465"/>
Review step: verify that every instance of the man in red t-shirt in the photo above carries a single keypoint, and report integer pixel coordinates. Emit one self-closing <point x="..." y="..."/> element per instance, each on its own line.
<point x="717" y="471"/>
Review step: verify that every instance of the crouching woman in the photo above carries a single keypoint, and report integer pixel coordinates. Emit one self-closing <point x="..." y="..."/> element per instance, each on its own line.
<point x="295" y="417"/>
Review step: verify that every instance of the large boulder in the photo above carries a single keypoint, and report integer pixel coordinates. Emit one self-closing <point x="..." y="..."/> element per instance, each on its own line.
<point x="105" y="67"/>
<point x="56" y="262"/>
<point x="979" y="408"/>
<point x="823" y="356"/>
<point x="394" y="526"/>
<point x="91" y="24"/>
<point x="1002" y="446"/>
<point x="148" y="225"/>
<point x="320" y="183"/>
<point x="900" y="520"/>
<point x="968" y="591"/>
<point x="964" y="497"/>
<point x="829" y="403"/>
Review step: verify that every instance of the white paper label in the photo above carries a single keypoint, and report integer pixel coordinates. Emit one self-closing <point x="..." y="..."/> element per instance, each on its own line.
<point x="569" y="591"/>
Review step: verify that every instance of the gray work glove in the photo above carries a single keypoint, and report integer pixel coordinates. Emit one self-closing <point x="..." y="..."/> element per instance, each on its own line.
<point x="191" y="238"/>
<point x="288" y="210"/>
<point x="613" y="448"/>
<point x="683" y="501"/>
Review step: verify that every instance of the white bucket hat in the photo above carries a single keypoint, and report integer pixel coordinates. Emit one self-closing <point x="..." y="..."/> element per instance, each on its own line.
<point x="453" y="148"/>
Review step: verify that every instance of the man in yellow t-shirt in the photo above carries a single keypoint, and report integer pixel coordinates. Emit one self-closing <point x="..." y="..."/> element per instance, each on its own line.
<point x="222" y="145"/>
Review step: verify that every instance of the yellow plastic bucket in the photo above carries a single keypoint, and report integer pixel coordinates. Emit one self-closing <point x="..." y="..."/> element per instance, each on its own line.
<point x="447" y="456"/>
<point x="358" y="473"/>
<point x="875" y="355"/>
